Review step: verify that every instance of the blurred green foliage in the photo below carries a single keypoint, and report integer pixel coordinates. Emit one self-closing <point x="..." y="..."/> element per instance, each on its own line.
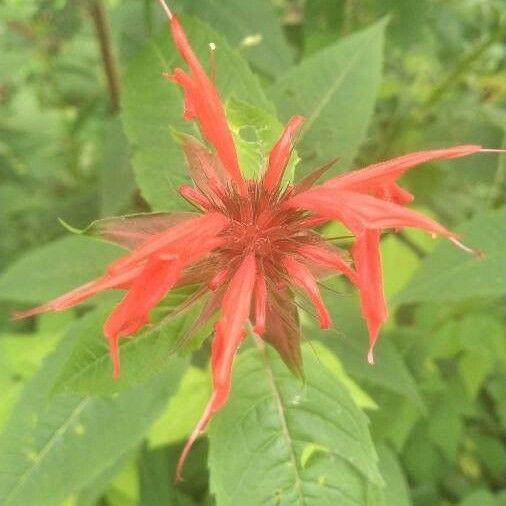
<point x="86" y="133"/>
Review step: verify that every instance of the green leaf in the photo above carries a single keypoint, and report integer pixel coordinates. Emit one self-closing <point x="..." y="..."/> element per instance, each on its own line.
<point x="399" y="264"/>
<point x="290" y="442"/>
<point x="255" y="131"/>
<point x="51" y="270"/>
<point x="117" y="184"/>
<point x="156" y="485"/>
<point x="252" y="26"/>
<point x="396" y="485"/>
<point x="449" y="274"/>
<point x="82" y="433"/>
<point x="335" y="90"/>
<point x="332" y="363"/>
<point x="479" y="498"/>
<point x="350" y="343"/>
<point x="184" y="409"/>
<point x="152" y="106"/>
<point x="89" y="370"/>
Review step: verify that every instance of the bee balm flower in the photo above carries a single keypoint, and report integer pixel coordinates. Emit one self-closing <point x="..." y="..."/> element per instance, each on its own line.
<point x="251" y="245"/>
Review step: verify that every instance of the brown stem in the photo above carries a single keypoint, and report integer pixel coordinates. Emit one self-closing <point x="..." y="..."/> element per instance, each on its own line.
<point x="99" y="16"/>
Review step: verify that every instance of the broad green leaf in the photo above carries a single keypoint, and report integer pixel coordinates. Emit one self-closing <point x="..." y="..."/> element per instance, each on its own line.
<point x="255" y="131"/>
<point x="399" y="263"/>
<point x="252" y="26"/>
<point x="474" y="369"/>
<point x="449" y="274"/>
<point x="152" y="106"/>
<point x="332" y="363"/>
<point x="84" y="434"/>
<point x="89" y="369"/>
<point x="479" y="498"/>
<point x="335" y="90"/>
<point x="156" y="482"/>
<point x="51" y="270"/>
<point x="290" y="442"/>
<point x="20" y="356"/>
<point x="481" y="333"/>
<point x="184" y="409"/>
<point x="91" y="493"/>
<point x="396" y="485"/>
<point x="117" y="184"/>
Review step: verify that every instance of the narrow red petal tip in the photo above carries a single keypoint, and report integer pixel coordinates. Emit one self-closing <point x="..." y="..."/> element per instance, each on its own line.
<point x="199" y="428"/>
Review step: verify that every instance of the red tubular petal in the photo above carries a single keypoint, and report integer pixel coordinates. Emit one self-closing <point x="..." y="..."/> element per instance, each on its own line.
<point x="194" y="196"/>
<point x="372" y="178"/>
<point x="361" y="212"/>
<point x="174" y="240"/>
<point x="230" y="332"/>
<point x="157" y="278"/>
<point x="328" y="257"/>
<point x="203" y="102"/>
<point x="366" y="255"/>
<point x="280" y="154"/>
<point x="218" y="279"/>
<point x="301" y="276"/>
<point x="260" y="304"/>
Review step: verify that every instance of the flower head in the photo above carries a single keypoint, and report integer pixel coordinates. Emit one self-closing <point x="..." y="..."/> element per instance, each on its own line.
<point x="251" y="245"/>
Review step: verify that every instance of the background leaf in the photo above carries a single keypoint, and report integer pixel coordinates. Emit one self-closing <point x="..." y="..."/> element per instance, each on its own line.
<point x="51" y="270"/>
<point x="335" y="90"/>
<point x="449" y="274"/>
<point x="85" y="433"/>
<point x="292" y="443"/>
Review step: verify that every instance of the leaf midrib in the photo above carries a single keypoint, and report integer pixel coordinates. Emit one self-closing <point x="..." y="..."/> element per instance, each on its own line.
<point x="297" y="485"/>
<point x="42" y="454"/>
<point x="334" y="88"/>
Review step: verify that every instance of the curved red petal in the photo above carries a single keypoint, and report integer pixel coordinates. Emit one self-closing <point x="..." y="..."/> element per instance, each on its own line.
<point x="203" y="102"/>
<point x="301" y="276"/>
<point x="374" y="178"/>
<point x="280" y="154"/>
<point x="366" y="255"/>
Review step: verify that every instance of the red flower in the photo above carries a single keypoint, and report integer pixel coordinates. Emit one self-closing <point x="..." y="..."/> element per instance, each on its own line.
<point x="251" y="244"/>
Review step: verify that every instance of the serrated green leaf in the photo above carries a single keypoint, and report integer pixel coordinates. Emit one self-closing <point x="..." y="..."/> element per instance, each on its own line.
<point x="51" y="270"/>
<point x="89" y="370"/>
<point x="335" y="90"/>
<point x="332" y="363"/>
<point x="291" y="443"/>
<point x="449" y="274"/>
<point x="152" y="106"/>
<point x="82" y="433"/>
